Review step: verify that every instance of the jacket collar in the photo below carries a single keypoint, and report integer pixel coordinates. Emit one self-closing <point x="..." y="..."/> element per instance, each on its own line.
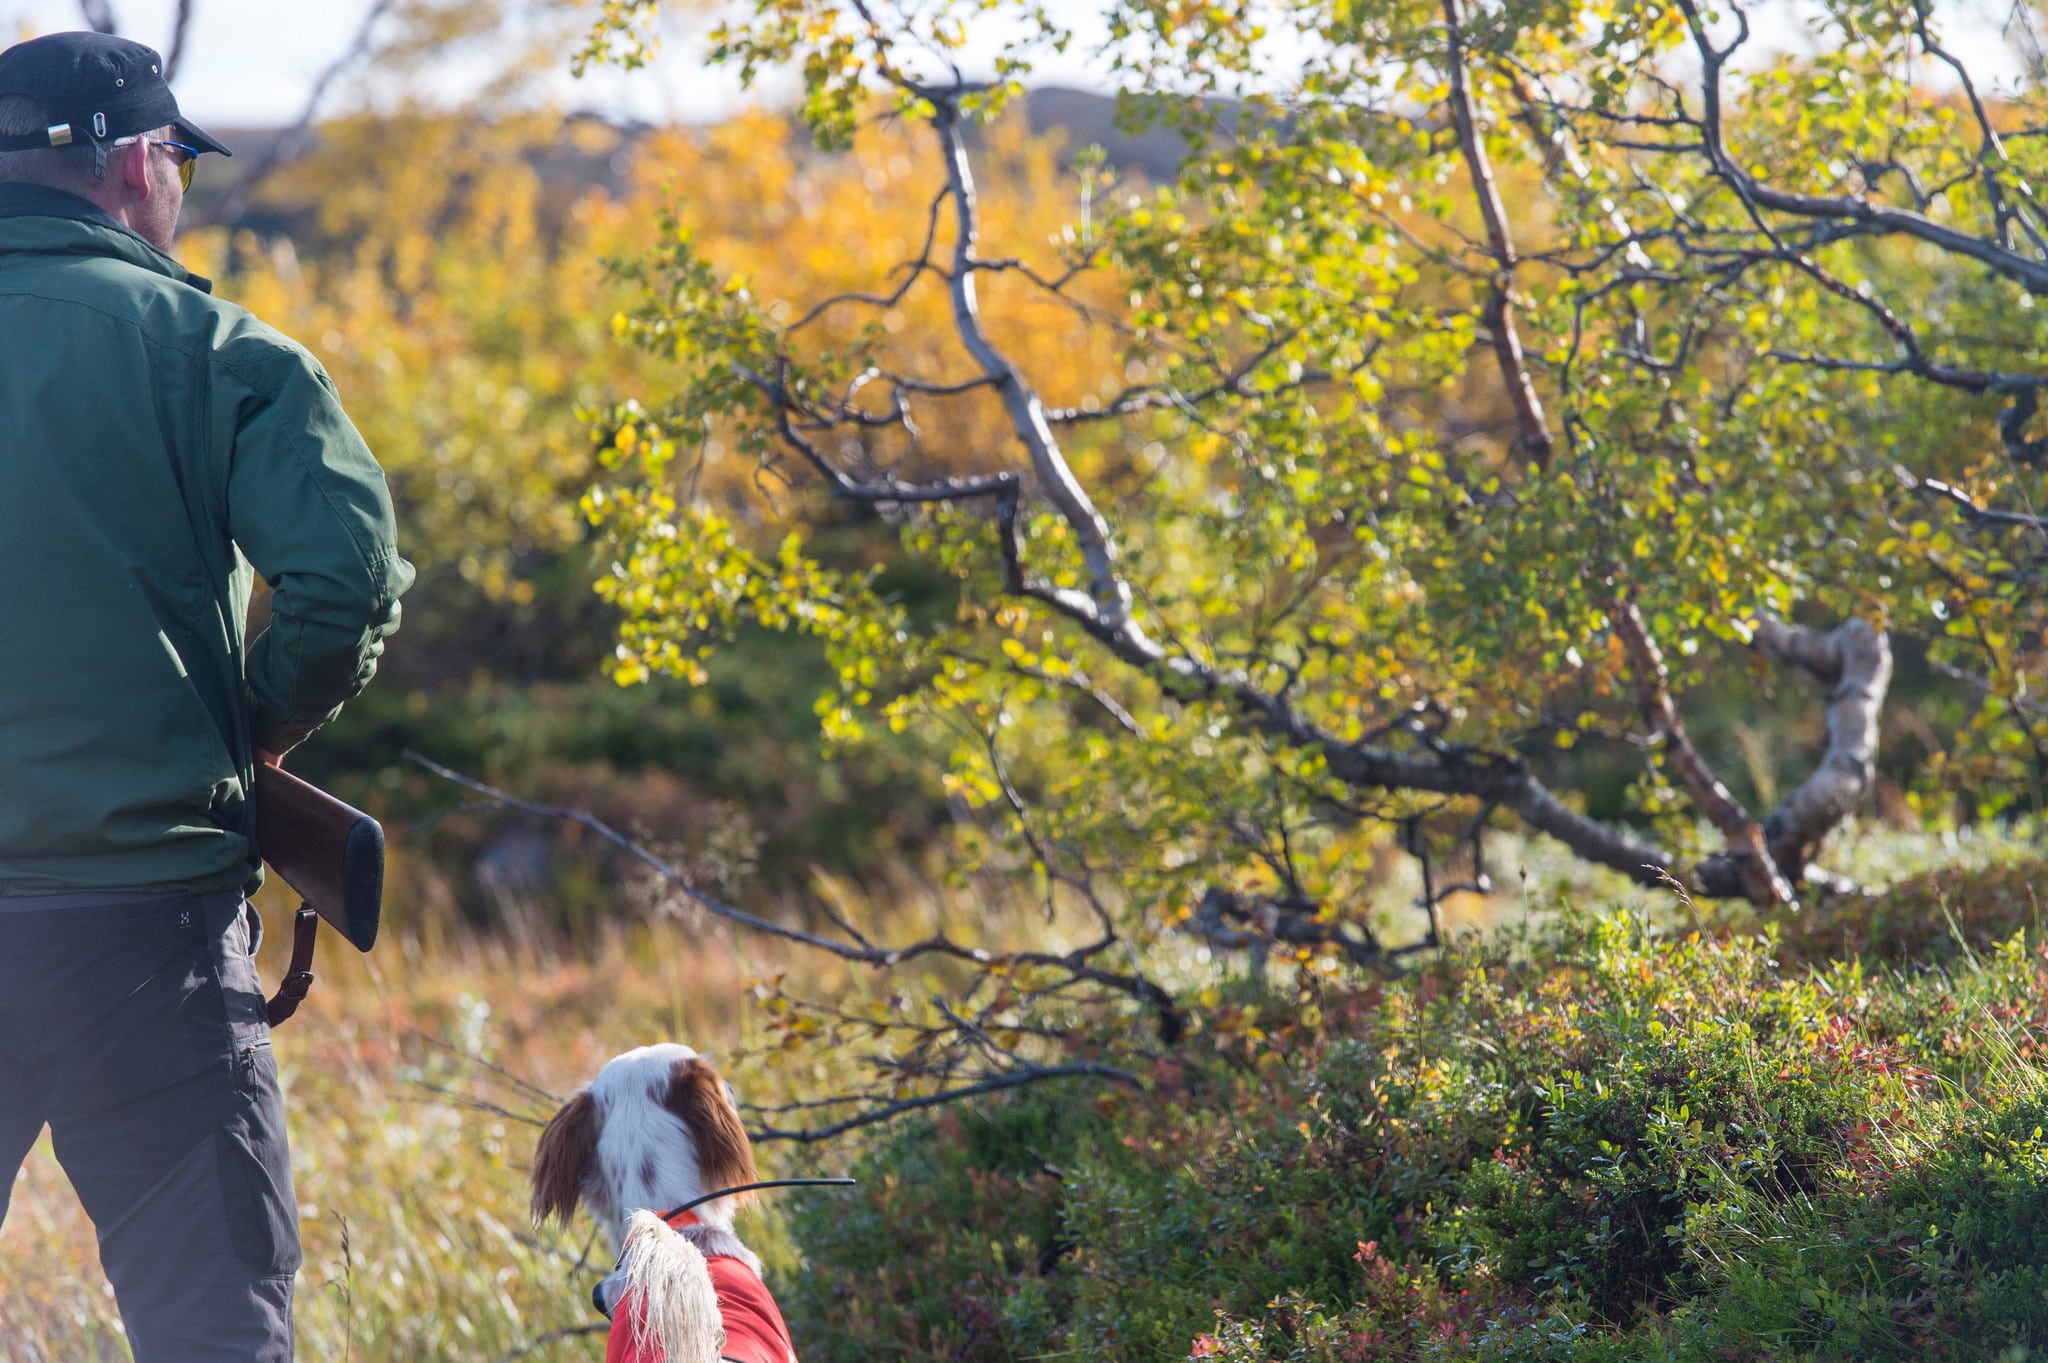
<point x="40" y="220"/>
<point x="713" y="1242"/>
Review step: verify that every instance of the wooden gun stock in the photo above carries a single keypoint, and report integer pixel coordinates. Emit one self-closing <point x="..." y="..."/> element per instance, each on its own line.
<point x="330" y="852"/>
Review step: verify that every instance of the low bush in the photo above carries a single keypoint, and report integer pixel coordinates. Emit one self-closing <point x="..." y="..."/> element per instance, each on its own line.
<point x="1614" y="1145"/>
<point x="1930" y="919"/>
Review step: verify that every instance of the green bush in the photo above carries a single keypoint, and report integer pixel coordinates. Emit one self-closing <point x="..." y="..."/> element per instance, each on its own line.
<point x="1617" y="1145"/>
<point x="1936" y="918"/>
<point x="953" y="1249"/>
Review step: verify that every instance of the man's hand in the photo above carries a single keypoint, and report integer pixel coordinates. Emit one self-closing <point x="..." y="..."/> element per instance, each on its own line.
<point x="269" y="758"/>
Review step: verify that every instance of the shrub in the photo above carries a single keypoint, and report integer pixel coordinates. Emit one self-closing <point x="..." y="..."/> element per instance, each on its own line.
<point x="953" y="1249"/>
<point x="1616" y="1145"/>
<point x="1937" y="917"/>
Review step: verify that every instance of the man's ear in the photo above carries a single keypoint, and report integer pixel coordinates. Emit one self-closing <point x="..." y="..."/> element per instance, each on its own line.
<point x="129" y="167"/>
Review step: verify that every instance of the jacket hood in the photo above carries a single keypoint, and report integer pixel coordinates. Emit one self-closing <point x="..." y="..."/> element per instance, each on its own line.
<point x="36" y="220"/>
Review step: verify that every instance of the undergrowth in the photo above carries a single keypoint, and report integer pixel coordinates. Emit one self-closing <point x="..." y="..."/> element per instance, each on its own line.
<point x="1613" y="1144"/>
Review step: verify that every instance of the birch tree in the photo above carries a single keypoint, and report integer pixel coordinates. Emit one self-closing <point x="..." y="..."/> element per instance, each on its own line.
<point x="1484" y="387"/>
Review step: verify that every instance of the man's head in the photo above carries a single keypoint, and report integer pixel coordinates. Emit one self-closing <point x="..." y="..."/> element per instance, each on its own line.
<point x="90" y="114"/>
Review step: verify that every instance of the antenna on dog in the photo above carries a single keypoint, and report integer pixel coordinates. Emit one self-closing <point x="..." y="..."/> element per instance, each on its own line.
<point x="750" y="1187"/>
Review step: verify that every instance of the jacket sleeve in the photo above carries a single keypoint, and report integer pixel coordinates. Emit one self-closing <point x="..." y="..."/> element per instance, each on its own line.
<point x="309" y="509"/>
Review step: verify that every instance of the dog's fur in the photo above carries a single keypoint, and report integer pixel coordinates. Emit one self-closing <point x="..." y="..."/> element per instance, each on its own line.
<point x="656" y="1128"/>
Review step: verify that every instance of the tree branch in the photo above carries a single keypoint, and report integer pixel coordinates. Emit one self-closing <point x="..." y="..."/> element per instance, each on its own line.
<point x="176" y="51"/>
<point x="1034" y="1074"/>
<point x="2029" y="272"/>
<point x="1499" y="312"/>
<point x="1855" y="662"/>
<point x="1110" y="593"/>
<point x="289" y="143"/>
<point x="1760" y="879"/>
<point x="539" y="1342"/>
<point x="1075" y="963"/>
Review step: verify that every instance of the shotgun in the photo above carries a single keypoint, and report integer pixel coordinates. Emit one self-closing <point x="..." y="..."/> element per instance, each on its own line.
<point x="330" y="852"/>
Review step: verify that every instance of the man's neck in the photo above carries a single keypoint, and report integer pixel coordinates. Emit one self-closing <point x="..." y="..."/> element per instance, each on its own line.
<point x="24" y="198"/>
<point x="29" y="199"/>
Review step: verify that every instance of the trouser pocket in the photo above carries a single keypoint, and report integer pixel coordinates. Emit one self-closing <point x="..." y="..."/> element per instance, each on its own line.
<point x="255" y="1169"/>
<point x="254" y="1162"/>
<point x="181" y="1265"/>
<point x="233" y="930"/>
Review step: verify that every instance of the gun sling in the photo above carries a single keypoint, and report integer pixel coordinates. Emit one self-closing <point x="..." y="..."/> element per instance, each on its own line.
<point x="291" y="990"/>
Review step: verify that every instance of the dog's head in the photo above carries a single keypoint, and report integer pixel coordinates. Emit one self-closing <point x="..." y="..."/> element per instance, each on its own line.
<point x="657" y="1128"/>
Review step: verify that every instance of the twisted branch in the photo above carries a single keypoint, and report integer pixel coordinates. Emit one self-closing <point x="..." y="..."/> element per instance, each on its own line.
<point x="1854" y="661"/>
<point x="1760" y="879"/>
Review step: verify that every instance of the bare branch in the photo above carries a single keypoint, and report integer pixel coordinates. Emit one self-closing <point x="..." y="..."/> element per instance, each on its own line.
<point x="1760" y="878"/>
<point x="176" y="50"/>
<point x="1035" y="1074"/>
<point x="290" y="142"/>
<point x="915" y="269"/>
<point x="1499" y="312"/>
<point x="1075" y="963"/>
<point x="539" y="1342"/>
<point x="519" y="1084"/>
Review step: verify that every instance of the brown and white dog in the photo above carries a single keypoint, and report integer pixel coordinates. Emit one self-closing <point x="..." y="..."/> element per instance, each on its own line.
<point x="655" y="1129"/>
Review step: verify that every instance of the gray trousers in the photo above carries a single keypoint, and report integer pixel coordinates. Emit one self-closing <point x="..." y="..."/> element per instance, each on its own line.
<point x="135" y="1030"/>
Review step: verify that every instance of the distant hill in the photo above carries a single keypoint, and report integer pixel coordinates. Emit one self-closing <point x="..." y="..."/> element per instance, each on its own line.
<point x="600" y="157"/>
<point x="1089" y="119"/>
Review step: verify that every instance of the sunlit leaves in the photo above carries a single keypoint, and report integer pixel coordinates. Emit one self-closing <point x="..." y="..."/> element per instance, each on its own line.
<point x="1276" y="376"/>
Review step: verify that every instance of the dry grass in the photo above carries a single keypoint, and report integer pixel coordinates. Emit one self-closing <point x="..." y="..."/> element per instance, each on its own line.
<point x="411" y="1187"/>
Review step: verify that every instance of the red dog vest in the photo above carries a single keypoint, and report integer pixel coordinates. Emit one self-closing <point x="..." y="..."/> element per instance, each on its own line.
<point x="754" y="1330"/>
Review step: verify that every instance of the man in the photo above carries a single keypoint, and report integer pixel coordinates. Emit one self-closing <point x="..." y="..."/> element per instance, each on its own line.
<point x="155" y="445"/>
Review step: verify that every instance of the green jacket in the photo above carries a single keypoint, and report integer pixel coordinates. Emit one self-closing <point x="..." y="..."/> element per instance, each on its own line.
<point x="155" y="444"/>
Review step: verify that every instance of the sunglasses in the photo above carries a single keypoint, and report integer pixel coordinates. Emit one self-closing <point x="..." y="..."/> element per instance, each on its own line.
<point x="185" y="158"/>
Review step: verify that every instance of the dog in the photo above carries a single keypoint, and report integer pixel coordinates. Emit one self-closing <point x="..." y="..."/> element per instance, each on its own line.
<point x="658" y="1128"/>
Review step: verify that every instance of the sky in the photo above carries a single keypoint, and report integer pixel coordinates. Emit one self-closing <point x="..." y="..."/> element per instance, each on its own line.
<point x="251" y="63"/>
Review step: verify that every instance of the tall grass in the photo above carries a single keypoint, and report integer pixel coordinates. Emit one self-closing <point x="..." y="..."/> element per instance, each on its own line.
<point x="409" y="1146"/>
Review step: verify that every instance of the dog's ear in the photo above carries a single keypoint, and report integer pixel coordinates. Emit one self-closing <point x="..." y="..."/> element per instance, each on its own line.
<point x="566" y="1148"/>
<point x="697" y="1096"/>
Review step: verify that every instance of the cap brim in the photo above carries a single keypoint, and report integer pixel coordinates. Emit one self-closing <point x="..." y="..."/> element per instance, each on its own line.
<point x="200" y="138"/>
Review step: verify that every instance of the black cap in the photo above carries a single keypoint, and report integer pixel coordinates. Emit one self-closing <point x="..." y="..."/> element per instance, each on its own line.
<point x="93" y="86"/>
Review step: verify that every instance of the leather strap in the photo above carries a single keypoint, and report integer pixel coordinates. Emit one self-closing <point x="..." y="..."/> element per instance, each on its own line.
<point x="291" y="991"/>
